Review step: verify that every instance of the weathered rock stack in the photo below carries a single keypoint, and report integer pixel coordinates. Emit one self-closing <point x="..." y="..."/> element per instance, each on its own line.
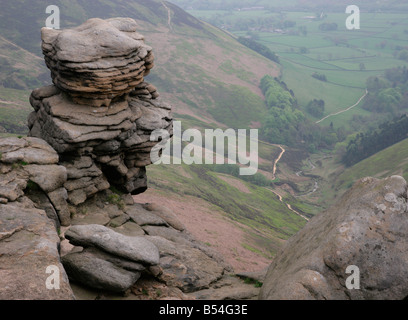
<point x="99" y="114"/>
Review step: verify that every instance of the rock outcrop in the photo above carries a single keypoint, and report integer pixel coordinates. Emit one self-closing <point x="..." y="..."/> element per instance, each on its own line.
<point x="31" y="212"/>
<point x="99" y="114"/>
<point x="66" y="190"/>
<point x="134" y="243"/>
<point x="367" y="229"/>
<point x="30" y="165"/>
<point x="29" y="245"/>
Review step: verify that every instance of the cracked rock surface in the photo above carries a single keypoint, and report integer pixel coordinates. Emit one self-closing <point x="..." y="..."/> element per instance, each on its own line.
<point x="367" y="228"/>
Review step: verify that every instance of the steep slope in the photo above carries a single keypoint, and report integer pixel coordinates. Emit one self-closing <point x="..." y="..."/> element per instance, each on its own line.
<point x="203" y="71"/>
<point x="391" y="161"/>
<point x="334" y="179"/>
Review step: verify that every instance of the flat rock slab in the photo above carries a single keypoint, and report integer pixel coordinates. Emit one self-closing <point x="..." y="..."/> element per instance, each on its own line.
<point x="96" y="271"/>
<point x="166" y="214"/>
<point x="29" y="150"/>
<point x="185" y="267"/>
<point x="136" y="249"/>
<point x="130" y="229"/>
<point x="143" y="217"/>
<point x="119" y="221"/>
<point x="228" y="288"/>
<point x="28" y="246"/>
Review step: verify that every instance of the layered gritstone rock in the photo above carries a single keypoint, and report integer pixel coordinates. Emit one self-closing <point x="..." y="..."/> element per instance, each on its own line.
<point x="98" y="61"/>
<point x="100" y="113"/>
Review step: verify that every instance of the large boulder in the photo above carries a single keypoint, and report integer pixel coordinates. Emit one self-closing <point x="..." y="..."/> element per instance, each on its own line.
<point x="186" y="267"/>
<point x="367" y="229"/>
<point x="136" y="249"/>
<point x="28" y="164"/>
<point x="99" y="270"/>
<point x="29" y="245"/>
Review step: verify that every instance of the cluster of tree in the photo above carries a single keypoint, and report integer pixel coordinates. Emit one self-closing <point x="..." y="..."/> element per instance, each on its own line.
<point x="388" y="94"/>
<point x="316" y="108"/>
<point x="276" y="93"/>
<point x="260" y="48"/>
<point x="368" y="144"/>
<point x="320" y="76"/>
<point x="327" y="26"/>
<point x="286" y="124"/>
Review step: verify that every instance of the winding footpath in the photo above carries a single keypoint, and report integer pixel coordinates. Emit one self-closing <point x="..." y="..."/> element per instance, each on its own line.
<point x="345" y="110"/>
<point x="275" y="166"/>
<point x="168" y="15"/>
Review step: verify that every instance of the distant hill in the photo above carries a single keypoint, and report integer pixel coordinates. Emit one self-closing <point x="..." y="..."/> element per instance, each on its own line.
<point x="324" y="5"/>
<point x="210" y="78"/>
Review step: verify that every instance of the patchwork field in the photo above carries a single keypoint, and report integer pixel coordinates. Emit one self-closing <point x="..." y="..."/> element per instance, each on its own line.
<point x="347" y="58"/>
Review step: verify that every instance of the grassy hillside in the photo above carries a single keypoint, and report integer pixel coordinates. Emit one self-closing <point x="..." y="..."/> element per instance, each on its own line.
<point x="333" y="179"/>
<point x="239" y="201"/>
<point x="203" y="71"/>
<point x="391" y="161"/>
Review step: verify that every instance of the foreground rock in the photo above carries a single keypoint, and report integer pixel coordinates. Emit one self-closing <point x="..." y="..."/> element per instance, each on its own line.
<point x="136" y="249"/>
<point x="28" y="246"/>
<point x="31" y="164"/>
<point x="126" y="242"/>
<point x="229" y="288"/>
<point x="185" y="267"/>
<point x="100" y="271"/>
<point x="368" y="228"/>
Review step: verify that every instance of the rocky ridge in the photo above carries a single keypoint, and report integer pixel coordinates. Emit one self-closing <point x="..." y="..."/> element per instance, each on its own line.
<point x="66" y="190"/>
